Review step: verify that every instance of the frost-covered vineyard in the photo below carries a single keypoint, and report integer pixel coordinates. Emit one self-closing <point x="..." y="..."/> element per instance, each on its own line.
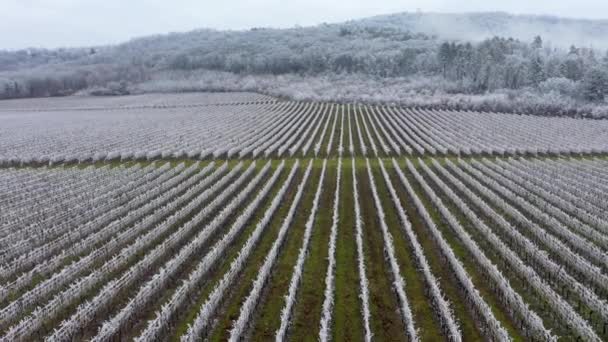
<point x="459" y="249"/>
<point x="134" y="101"/>
<point x="149" y="127"/>
<point x="298" y="221"/>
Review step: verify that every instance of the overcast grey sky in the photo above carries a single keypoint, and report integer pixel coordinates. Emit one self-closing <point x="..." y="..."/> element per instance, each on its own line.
<point x="57" y="23"/>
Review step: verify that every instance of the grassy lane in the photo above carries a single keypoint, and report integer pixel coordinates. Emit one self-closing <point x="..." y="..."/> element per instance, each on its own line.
<point x="414" y="281"/>
<point x="386" y="321"/>
<point x="348" y="319"/>
<point x="348" y="130"/>
<point x="267" y="320"/>
<point x="309" y="300"/>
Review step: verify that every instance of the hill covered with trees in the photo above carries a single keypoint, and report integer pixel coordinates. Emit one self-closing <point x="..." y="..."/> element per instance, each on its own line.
<point x="482" y="61"/>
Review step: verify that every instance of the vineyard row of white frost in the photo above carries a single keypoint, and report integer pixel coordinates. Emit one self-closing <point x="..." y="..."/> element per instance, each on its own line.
<point x="186" y="127"/>
<point x="342" y="248"/>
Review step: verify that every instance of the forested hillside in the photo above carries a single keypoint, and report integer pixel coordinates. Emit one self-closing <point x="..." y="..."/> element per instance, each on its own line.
<point x="560" y="32"/>
<point x="420" y="63"/>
